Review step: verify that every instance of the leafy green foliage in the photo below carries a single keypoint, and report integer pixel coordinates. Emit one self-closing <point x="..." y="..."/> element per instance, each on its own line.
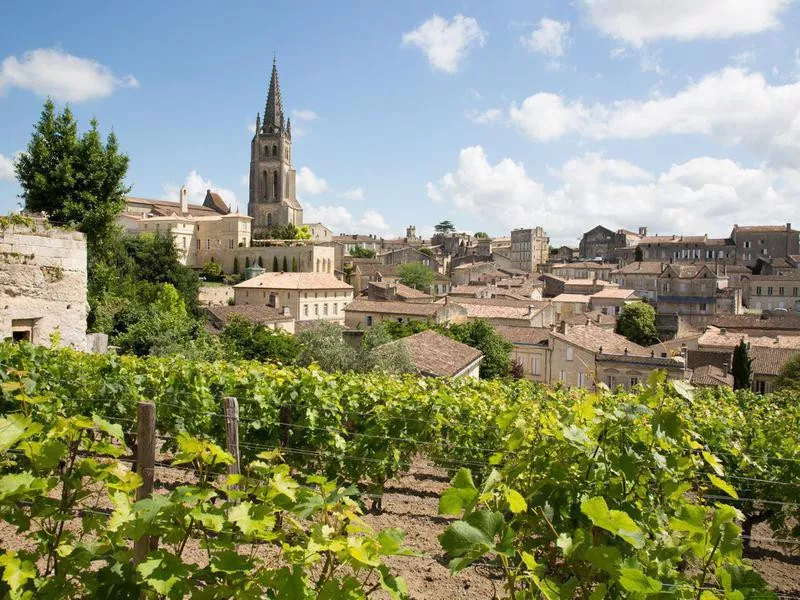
<point x="359" y="252"/>
<point x="742" y="367"/>
<point x="444" y="227"/>
<point x="77" y="180"/>
<point x="480" y="334"/>
<point x="416" y="275"/>
<point x="789" y="378"/>
<point x="289" y="232"/>
<point x="481" y="234"/>
<point x="637" y="322"/>
<point x="212" y="271"/>
<point x="243" y="339"/>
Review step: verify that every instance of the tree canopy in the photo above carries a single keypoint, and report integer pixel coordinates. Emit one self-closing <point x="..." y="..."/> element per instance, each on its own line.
<point x="637" y="322"/>
<point x="359" y="252"/>
<point x="789" y="377"/>
<point x="444" y="227"/>
<point x="76" y="179"/>
<point x="416" y="275"/>
<point x="243" y="339"/>
<point x="742" y="368"/>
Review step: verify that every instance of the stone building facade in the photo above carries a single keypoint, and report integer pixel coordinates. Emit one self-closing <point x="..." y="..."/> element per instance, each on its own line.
<point x="764" y="242"/>
<point x="530" y="248"/>
<point x="43" y="284"/>
<point x="273" y="198"/>
<point x="601" y="242"/>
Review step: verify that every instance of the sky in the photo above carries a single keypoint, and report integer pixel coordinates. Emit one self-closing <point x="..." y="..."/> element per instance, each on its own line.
<point x="682" y="116"/>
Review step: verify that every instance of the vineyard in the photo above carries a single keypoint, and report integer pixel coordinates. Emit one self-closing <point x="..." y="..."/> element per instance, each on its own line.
<point x="552" y="493"/>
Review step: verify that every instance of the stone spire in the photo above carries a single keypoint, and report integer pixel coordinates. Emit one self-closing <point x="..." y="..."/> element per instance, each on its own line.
<point x="273" y="115"/>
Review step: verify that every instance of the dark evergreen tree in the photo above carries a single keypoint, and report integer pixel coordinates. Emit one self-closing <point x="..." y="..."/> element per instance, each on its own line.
<point x="742" y="366"/>
<point x="274" y="264"/>
<point x="638" y="256"/>
<point x="285" y="265"/>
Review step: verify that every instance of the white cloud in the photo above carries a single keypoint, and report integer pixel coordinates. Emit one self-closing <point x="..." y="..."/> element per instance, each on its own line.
<point x="197" y="187"/>
<point x="356" y="193"/>
<point x="650" y="63"/>
<point x="702" y="195"/>
<point x="304" y="115"/>
<point x="617" y="53"/>
<point x="743" y="58"/>
<point x="550" y="38"/>
<point x="251" y="127"/>
<point x="491" y="115"/>
<point x="637" y="22"/>
<point x="7" y="169"/>
<point x="341" y="220"/>
<point x="53" y="72"/>
<point x="732" y="105"/>
<point x="310" y="184"/>
<point x="446" y="43"/>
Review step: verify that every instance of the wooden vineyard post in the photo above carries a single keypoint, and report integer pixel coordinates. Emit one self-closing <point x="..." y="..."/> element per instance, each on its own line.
<point x="231" y="406"/>
<point x="145" y="463"/>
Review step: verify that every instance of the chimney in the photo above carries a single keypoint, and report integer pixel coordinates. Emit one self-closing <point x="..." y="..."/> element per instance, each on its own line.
<point x="788" y="227"/>
<point x="563" y="328"/>
<point x="626" y="351"/>
<point x="184" y="198"/>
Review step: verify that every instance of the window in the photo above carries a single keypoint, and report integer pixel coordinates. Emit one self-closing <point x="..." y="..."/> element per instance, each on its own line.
<point x="305" y="310"/>
<point x="264" y="186"/>
<point x="760" y="386"/>
<point x="582" y="380"/>
<point x="569" y="353"/>
<point x="316" y="309"/>
<point x="758" y="290"/>
<point x="703" y="308"/>
<point x="794" y="291"/>
<point x="208" y="244"/>
<point x="275" y="185"/>
<point x="611" y="381"/>
<point x="274" y="150"/>
<point x="769" y="290"/>
<point x="535" y="365"/>
<point x="747" y="244"/>
<point x="269" y="220"/>
<point x="325" y="309"/>
<point x="369" y="320"/>
<point x="230" y="244"/>
<point x="184" y="243"/>
<point x="780" y="291"/>
<point x="562" y="375"/>
<point x="634" y="381"/>
<point x="335" y="308"/>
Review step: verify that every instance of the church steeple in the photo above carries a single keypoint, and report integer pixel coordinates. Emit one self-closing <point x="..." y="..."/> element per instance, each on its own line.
<point x="273" y="115"/>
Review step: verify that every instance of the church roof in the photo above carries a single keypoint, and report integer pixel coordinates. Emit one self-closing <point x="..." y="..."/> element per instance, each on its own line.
<point x="273" y="113"/>
<point x="214" y="200"/>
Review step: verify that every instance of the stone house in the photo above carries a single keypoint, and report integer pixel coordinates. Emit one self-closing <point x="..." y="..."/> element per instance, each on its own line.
<point x="689" y="290"/>
<point x="269" y="317"/>
<point x="530" y="248"/>
<point x="308" y="296"/>
<point x="564" y="254"/>
<point x="42" y="283"/>
<point x="363" y="314"/>
<point x="553" y="286"/>
<point x="296" y="256"/>
<point x="642" y="277"/>
<point x="566" y="305"/>
<point x="319" y="233"/>
<point x="408" y="254"/>
<point x="584" y="270"/>
<point x="396" y="291"/>
<point x="765" y="368"/>
<point x="611" y="301"/>
<point x="601" y="242"/>
<point x="681" y="248"/>
<point x="770" y="292"/>
<point x="531" y="349"/>
<point x="504" y="311"/>
<point x="436" y="355"/>
<point x="755" y="242"/>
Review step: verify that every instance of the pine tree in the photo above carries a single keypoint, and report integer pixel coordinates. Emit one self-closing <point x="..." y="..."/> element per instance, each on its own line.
<point x="246" y="262"/>
<point x="261" y="262"/>
<point x="285" y="265"/>
<point x="274" y="264"/>
<point x="742" y="366"/>
<point x="638" y="255"/>
<point x="294" y="264"/>
<point x="77" y="180"/>
<point x="236" y="264"/>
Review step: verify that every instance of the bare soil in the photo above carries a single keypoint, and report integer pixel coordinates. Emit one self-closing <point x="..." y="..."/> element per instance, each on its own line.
<point x="411" y="504"/>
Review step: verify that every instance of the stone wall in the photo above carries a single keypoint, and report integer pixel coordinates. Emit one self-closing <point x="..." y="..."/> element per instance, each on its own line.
<point x="43" y="285"/>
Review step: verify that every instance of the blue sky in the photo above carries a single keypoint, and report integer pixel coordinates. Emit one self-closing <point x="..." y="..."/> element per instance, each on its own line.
<point x="682" y="116"/>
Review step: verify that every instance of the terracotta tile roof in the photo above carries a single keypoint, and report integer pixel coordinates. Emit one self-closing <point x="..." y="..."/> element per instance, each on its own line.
<point x="593" y="316"/>
<point x="260" y="315"/>
<point x="793" y="275"/>
<point x="215" y="201"/>
<point x="717" y="358"/>
<point x="714" y="337"/>
<point x="683" y="239"/>
<point x="688" y="271"/>
<point x="591" y="337"/>
<point x="394" y="308"/>
<point x="502" y="302"/>
<point x="524" y="335"/>
<point x="654" y="362"/>
<point x="483" y="311"/>
<point x="402" y="291"/>
<point x="164" y="208"/>
<point x="614" y="294"/>
<point x="768" y="361"/>
<point x="436" y="355"/>
<point x="709" y="375"/>
<point x="643" y="268"/>
<point x="295" y="281"/>
<point x="589" y="282"/>
<point x="760" y="228"/>
<point x="574" y="298"/>
<point x="757" y="322"/>
<point x="584" y="265"/>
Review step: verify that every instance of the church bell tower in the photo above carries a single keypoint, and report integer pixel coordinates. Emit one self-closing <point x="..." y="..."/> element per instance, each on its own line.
<point x="272" y="202"/>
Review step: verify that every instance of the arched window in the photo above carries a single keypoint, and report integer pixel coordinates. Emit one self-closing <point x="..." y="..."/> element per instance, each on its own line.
<point x="264" y="184"/>
<point x="269" y="220"/>
<point x="274" y="150"/>
<point x="275" y="185"/>
<point x="317" y="266"/>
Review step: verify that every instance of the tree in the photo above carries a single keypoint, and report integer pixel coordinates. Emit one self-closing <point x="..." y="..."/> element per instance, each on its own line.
<point x="380" y="352"/>
<point x="359" y="252"/>
<point x="426" y="251"/>
<point x="742" y="366"/>
<point x="274" y="264"/>
<point x="481" y="335"/>
<point x="294" y="264"/>
<point x="444" y="227"/>
<point x="285" y="265"/>
<point x="77" y="180"/>
<point x="261" y="261"/>
<point x="212" y="271"/>
<point x="236" y="264"/>
<point x="323" y="345"/>
<point x="250" y="341"/>
<point x="416" y="275"/>
<point x="789" y="377"/>
<point x="638" y="323"/>
<point x="638" y="256"/>
<point x="481" y="234"/>
<point x="246" y="262"/>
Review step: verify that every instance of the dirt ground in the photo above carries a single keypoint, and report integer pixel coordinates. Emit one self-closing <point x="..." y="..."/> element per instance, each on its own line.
<point x="411" y="504"/>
